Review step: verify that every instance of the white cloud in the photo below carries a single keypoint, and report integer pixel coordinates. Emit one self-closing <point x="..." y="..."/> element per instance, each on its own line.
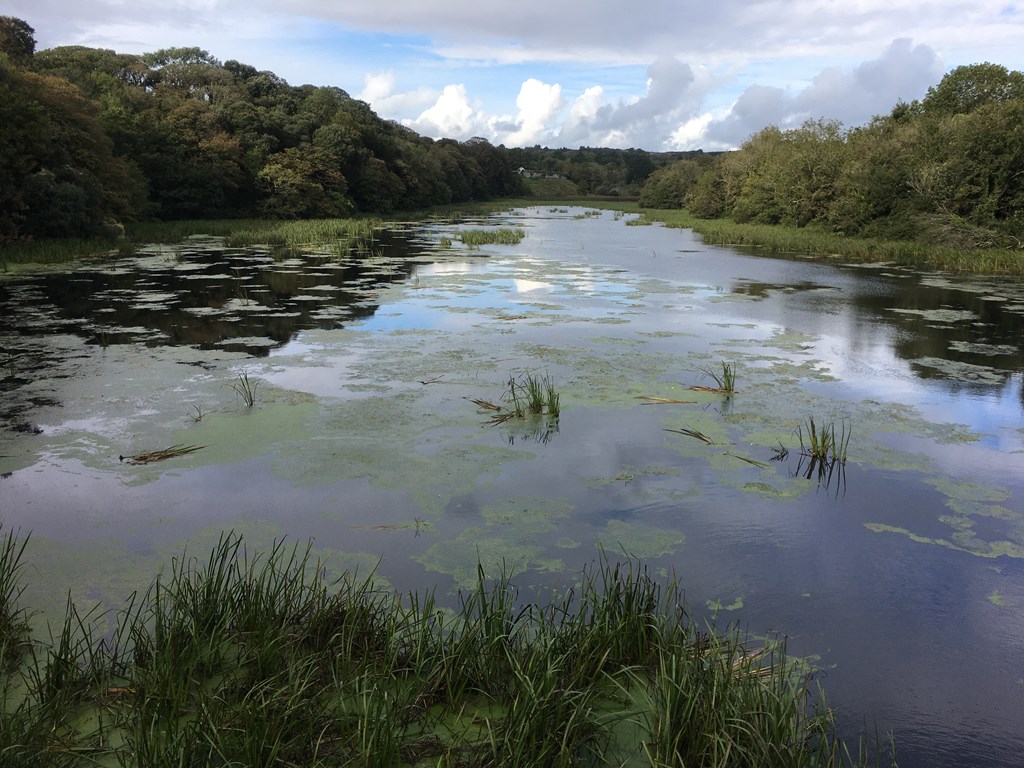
<point x="451" y="115"/>
<point x="538" y="103"/>
<point x="379" y="92"/>
<point x="904" y="72"/>
<point x="747" y="63"/>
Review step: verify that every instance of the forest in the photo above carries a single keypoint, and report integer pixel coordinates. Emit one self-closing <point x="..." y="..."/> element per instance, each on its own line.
<point x="91" y="139"/>
<point x="947" y="170"/>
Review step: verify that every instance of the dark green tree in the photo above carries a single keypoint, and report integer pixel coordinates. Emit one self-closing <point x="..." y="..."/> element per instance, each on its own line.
<point x="17" y="40"/>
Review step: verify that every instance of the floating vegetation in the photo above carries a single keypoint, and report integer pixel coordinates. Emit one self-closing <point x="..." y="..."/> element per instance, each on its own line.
<point x="664" y="400"/>
<point x="498" y="236"/>
<point x="748" y="460"/>
<point x="258" y="659"/>
<point x="692" y="433"/>
<point x="246" y="388"/>
<point x="167" y="453"/>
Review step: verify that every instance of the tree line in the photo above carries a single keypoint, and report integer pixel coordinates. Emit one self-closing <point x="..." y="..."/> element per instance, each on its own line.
<point x="946" y="170"/>
<point x="91" y="138"/>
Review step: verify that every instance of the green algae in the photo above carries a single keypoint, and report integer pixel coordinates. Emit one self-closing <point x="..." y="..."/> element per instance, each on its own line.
<point x="961" y="542"/>
<point x="937" y="315"/>
<point x="997" y="599"/>
<point x="961" y="371"/>
<point x="640" y="540"/>
<point x="495" y="554"/>
<point x="529" y="513"/>
<point x="717" y="605"/>
<point x="965" y="490"/>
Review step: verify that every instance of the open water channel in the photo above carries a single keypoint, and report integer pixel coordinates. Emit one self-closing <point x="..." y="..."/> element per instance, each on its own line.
<point x="899" y="574"/>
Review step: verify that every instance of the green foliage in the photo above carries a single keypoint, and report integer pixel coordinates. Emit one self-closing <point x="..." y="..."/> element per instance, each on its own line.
<point x="966" y="88"/>
<point x="17" y="40"/>
<point x="102" y="138"/>
<point x="944" y="173"/>
<point x="669" y="187"/>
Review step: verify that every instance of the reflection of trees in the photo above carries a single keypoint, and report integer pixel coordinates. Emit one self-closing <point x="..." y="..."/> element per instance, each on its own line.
<point x="224" y="295"/>
<point x="988" y="334"/>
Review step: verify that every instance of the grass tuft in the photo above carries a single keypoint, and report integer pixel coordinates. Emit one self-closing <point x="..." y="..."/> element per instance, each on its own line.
<point x="248" y="658"/>
<point x="246" y="388"/>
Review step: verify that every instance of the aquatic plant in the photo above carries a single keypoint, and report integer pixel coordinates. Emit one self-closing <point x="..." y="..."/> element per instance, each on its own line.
<point x="500" y="236"/>
<point x="823" y="452"/>
<point x="525" y="395"/>
<point x="248" y="658"/>
<point x="694" y="433"/>
<point x="725" y="381"/>
<point x="13" y="619"/>
<point x="246" y="388"/>
<point x="826" y="443"/>
<point x="165" y="453"/>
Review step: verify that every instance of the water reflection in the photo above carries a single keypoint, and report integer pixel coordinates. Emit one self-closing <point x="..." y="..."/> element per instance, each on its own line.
<point x="904" y="585"/>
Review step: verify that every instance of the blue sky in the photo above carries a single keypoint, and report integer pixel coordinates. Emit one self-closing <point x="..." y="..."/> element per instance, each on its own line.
<point x="655" y="74"/>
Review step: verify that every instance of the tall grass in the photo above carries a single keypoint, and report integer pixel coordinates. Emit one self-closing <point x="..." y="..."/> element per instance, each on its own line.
<point x="257" y="659"/>
<point x="800" y="240"/>
<point x="500" y="235"/>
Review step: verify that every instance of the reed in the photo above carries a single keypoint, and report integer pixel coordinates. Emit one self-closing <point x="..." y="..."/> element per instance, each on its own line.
<point x="524" y="396"/>
<point x="247" y="658"/>
<point x="725" y="380"/>
<point x="497" y="236"/>
<point x="827" y="443"/>
<point x="781" y="239"/>
<point x="14" y="621"/>
<point x="245" y="388"/>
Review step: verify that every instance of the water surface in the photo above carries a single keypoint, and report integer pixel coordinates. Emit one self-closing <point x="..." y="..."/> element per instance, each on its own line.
<point x="899" y="574"/>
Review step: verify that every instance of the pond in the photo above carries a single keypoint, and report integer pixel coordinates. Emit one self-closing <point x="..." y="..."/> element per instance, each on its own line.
<point x="899" y="574"/>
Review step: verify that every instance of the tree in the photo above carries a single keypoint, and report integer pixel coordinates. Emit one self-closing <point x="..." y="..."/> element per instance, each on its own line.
<point x="17" y="40"/>
<point x="966" y="88"/>
<point x="304" y="182"/>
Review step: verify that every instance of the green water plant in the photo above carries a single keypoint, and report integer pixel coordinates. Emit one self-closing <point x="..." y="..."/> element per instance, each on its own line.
<point x="245" y="388"/>
<point x="172" y="452"/>
<point x="524" y="396"/>
<point x="725" y="379"/>
<point x="258" y="658"/>
<point x="495" y="236"/>
<point x="827" y="443"/>
<point x="14" y="622"/>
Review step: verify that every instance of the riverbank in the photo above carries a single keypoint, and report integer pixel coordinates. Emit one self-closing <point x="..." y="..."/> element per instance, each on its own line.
<point x="779" y="239"/>
<point x="774" y="239"/>
<point x="245" y="658"/>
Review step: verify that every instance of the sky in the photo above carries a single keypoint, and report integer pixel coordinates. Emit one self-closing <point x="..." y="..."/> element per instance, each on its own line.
<point x="659" y="75"/>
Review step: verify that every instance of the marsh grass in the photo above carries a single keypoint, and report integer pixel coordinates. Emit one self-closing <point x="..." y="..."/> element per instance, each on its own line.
<point x="245" y="388"/>
<point x="524" y="397"/>
<point x="694" y="433"/>
<point x="251" y="659"/>
<point x="725" y="379"/>
<point x="780" y="239"/>
<point x="14" y="622"/>
<point x="823" y="451"/>
<point x="165" y="453"/>
<point x="826" y="443"/>
<point x="496" y="236"/>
